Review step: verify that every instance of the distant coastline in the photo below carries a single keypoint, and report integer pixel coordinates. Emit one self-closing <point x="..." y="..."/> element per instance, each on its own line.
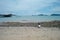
<point x="47" y="15"/>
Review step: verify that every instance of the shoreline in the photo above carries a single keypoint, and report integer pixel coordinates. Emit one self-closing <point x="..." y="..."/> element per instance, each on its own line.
<point x="35" y="24"/>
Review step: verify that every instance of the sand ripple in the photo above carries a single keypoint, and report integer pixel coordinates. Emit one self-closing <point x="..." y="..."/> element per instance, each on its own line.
<point x="29" y="33"/>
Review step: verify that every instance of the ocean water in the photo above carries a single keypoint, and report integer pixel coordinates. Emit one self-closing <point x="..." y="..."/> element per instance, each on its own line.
<point x="29" y="18"/>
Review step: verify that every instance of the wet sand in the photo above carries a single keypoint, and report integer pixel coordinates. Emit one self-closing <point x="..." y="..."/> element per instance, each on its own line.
<point x="29" y="33"/>
<point x="31" y="24"/>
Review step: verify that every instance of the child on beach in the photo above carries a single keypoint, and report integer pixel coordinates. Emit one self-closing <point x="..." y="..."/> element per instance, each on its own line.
<point x="39" y="25"/>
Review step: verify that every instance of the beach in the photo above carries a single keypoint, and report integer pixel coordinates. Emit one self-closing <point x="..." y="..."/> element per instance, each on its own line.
<point x="31" y="24"/>
<point x="29" y="33"/>
<point x="29" y="19"/>
<point x="30" y="30"/>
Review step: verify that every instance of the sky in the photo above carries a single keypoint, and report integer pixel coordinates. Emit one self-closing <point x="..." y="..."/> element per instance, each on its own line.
<point x="30" y="7"/>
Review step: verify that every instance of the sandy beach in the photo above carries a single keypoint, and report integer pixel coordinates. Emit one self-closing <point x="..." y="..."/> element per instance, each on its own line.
<point x="31" y="24"/>
<point x="29" y="33"/>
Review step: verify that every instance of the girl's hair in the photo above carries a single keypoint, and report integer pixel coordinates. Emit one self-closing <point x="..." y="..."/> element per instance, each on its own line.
<point x="38" y="23"/>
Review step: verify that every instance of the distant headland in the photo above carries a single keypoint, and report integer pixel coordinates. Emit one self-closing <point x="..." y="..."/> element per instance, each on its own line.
<point x="47" y="15"/>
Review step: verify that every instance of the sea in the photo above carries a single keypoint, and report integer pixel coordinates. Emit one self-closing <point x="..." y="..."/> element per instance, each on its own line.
<point x="29" y="18"/>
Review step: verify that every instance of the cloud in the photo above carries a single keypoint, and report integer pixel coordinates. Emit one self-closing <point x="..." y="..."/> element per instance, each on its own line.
<point x="33" y="4"/>
<point x="54" y="7"/>
<point x="28" y="6"/>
